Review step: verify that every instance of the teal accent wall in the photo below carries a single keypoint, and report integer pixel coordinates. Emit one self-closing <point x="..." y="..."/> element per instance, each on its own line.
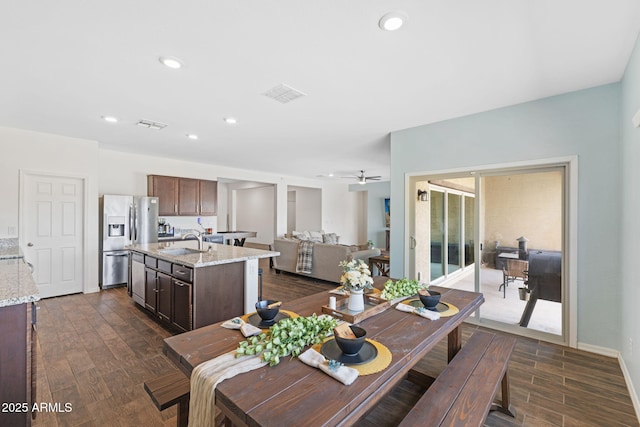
<point x="585" y="124"/>
<point x="630" y="223"/>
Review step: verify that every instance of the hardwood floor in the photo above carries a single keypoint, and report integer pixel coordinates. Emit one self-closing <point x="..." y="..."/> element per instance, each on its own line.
<point x="96" y="350"/>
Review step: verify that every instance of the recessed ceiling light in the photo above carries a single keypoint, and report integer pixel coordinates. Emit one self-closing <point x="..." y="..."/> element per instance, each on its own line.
<point x="230" y="120"/>
<point x="110" y="119"/>
<point x="171" y="62"/>
<point x="192" y="136"/>
<point x="392" y="21"/>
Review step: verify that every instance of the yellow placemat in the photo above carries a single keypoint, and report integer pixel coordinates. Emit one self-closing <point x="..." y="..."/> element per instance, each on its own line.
<point x="381" y="361"/>
<point x="447" y="313"/>
<point x="291" y="314"/>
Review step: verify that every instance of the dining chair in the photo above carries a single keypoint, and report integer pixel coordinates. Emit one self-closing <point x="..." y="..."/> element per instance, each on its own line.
<point x="513" y="269"/>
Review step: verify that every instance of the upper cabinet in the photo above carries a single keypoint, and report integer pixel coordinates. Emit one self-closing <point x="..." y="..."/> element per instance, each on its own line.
<point x="165" y="188"/>
<point x="208" y="197"/>
<point x="184" y="196"/>
<point x="188" y="197"/>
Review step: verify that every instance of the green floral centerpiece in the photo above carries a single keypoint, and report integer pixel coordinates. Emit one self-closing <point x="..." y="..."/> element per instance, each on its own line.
<point x="394" y="289"/>
<point x="287" y="337"/>
<point x="356" y="277"/>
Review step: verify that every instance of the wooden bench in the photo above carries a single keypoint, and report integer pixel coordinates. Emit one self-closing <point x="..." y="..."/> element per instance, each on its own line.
<point x="463" y="394"/>
<point x="168" y="390"/>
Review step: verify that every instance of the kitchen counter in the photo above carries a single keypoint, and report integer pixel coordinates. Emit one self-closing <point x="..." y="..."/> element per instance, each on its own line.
<point x="223" y="280"/>
<point x="237" y="238"/>
<point x="16" y="282"/>
<point x="9" y="249"/>
<point x="215" y="253"/>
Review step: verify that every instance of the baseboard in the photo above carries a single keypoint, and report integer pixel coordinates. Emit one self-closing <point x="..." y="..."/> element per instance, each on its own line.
<point x="630" y="387"/>
<point x="604" y="351"/>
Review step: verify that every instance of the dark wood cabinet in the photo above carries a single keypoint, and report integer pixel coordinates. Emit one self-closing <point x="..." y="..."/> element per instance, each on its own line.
<point x="150" y="287"/>
<point x="158" y="294"/>
<point x="164" y="297"/>
<point x="218" y="293"/>
<point x="184" y="196"/>
<point x="208" y="197"/>
<point x="182" y="314"/>
<point x="16" y="364"/>
<point x="165" y="188"/>
<point x="188" y="197"/>
<point x="187" y="298"/>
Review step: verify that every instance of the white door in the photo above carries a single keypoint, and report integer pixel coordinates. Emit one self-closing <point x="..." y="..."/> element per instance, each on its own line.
<point x="52" y="232"/>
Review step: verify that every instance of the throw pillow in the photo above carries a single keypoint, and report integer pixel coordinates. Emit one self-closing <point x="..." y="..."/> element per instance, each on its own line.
<point x="300" y="235"/>
<point x="330" y="238"/>
<point x="315" y="236"/>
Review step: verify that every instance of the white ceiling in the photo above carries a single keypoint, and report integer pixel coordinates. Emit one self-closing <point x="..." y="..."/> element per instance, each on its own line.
<point x="66" y="63"/>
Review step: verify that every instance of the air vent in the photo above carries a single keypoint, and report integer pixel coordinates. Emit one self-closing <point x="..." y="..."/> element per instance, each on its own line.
<point x="151" y="124"/>
<point x="283" y="93"/>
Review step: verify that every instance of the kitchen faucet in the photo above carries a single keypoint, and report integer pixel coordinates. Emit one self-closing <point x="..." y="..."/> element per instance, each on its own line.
<point x="197" y="235"/>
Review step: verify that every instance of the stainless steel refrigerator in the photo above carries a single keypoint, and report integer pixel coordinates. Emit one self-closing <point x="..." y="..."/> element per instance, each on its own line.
<point x="124" y="220"/>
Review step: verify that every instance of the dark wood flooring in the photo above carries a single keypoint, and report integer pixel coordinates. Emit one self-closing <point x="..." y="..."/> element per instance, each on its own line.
<point x="96" y="350"/>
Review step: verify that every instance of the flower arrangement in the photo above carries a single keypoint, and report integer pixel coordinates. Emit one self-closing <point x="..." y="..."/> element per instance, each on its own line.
<point x="356" y="275"/>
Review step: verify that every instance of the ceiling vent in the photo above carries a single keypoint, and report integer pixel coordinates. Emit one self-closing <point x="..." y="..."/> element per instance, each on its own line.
<point x="151" y="124"/>
<point x="283" y="93"/>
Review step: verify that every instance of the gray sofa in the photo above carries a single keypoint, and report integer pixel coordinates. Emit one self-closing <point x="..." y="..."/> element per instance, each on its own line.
<point x="326" y="258"/>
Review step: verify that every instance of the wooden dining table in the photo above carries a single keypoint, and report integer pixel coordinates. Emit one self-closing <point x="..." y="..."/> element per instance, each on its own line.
<point x="292" y="393"/>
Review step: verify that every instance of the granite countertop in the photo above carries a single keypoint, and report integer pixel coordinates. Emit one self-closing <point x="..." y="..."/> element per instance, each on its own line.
<point x="9" y="249"/>
<point x="16" y="283"/>
<point x="217" y="254"/>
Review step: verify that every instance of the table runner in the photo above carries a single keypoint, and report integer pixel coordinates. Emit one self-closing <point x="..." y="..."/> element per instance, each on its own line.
<point x="204" y="379"/>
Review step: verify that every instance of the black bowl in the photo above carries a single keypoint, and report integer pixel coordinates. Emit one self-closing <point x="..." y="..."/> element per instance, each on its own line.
<point x="265" y="313"/>
<point x="351" y="346"/>
<point x="430" y="301"/>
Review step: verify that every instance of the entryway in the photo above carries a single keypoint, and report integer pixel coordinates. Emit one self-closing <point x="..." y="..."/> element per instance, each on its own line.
<point x="52" y="232"/>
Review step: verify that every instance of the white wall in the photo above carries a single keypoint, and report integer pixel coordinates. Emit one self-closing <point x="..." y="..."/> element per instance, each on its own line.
<point x="50" y="154"/>
<point x="308" y="208"/>
<point x="255" y="211"/>
<point x="113" y="172"/>
<point x="125" y="173"/>
<point x="342" y="213"/>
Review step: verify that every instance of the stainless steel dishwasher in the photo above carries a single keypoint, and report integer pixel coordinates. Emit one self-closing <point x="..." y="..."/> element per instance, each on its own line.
<point x="137" y="277"/>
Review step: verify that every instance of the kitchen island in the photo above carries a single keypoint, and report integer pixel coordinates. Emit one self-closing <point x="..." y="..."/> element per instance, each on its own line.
<point x="18" y="292"/>
<point x="236" y="238"/>
<point x="189" y="287"/>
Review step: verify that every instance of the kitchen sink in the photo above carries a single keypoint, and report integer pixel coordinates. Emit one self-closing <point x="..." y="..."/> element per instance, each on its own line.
<point x="180" y="251"/>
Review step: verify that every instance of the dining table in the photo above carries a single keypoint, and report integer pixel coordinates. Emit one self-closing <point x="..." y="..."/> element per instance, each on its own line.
<point x="293" y="393"/>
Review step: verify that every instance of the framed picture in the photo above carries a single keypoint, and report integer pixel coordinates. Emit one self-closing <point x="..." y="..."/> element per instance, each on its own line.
<point x="387" y="212"/>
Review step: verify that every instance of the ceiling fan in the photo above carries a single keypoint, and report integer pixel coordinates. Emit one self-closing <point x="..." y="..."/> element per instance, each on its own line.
<point x="362" y="179"/>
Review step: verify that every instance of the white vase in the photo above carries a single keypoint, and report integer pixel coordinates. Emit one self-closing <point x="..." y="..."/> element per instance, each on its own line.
<point x="356" y="300"/>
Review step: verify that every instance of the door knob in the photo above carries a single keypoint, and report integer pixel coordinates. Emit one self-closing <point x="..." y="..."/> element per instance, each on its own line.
<point x="29" y="244"/>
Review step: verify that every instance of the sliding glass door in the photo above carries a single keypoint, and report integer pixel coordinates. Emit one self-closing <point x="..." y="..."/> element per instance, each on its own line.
<point x="518" y="218"/>
<point x="451" y="231"/>
<point x="437" y="235"/>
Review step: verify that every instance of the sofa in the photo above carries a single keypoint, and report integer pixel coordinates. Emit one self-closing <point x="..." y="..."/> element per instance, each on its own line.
<point x="325" y="259"/>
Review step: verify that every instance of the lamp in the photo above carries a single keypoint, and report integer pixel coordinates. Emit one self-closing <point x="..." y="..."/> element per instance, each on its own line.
<point x="423" y="195"/>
